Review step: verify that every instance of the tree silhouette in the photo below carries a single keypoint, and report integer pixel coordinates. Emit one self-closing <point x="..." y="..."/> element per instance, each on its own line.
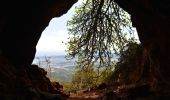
<point x="99" y="29"/>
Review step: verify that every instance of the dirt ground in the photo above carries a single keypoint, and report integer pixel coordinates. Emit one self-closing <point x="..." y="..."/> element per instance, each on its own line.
<point x="83" y="98"/>
<point x="90" y="96"/>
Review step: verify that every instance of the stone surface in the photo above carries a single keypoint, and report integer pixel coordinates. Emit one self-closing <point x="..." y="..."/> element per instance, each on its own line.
<point x="21" y="25"/>
<point x="152" y="20"/>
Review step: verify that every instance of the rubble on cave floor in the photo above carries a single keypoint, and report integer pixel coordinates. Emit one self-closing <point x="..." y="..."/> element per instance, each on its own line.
<point x="27" y="83"/>
<point x="126" y="92"/>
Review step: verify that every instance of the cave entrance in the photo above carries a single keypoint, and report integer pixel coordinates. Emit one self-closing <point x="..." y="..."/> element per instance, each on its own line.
<point x="51" y="48"/>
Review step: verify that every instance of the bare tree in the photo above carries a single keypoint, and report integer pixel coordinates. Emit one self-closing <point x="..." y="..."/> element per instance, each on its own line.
<point x="48" y="66"/>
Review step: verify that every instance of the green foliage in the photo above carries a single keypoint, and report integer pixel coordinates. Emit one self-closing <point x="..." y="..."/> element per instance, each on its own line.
<point x="127" y="69"/>
<point x="99" y="28"/>
<point x="83" y="79"/>
<point x="105" y="73"/>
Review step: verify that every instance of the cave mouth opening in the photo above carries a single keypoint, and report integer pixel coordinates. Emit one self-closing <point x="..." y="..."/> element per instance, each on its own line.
<point x="50" y="50"/>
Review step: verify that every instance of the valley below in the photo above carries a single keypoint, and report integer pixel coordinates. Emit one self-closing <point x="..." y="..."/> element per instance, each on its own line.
<point x="57" y="67"/>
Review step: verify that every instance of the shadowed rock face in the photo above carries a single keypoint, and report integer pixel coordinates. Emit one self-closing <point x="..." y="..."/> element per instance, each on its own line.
<point x="21" y="25"/>
<point x="152" y="20"/>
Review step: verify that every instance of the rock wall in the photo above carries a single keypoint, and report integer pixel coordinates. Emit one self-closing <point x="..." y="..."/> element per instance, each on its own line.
<point x="21" y="25"/>
<point x="152" y="20"/>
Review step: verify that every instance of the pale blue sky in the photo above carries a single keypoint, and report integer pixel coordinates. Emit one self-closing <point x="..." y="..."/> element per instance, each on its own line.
<point x="52" y="38"/>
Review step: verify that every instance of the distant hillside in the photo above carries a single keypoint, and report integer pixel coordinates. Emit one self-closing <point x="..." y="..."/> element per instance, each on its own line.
<point x="61" y="69"/>
<point x="58" y="67"/>
<point x="61" y="75"/>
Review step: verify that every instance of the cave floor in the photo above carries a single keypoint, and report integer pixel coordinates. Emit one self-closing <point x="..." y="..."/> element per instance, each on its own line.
<point x="84" y="97"/>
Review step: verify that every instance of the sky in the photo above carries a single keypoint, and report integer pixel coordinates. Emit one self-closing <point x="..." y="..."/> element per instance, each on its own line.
<point x="54" y="37"/>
